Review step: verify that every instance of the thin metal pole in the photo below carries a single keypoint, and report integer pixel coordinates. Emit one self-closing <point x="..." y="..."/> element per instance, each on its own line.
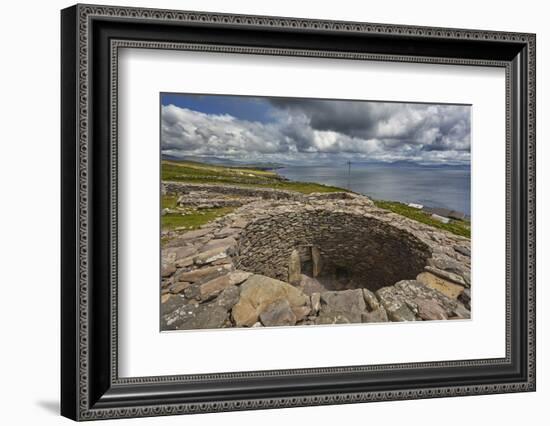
<point x="349" y="175"/>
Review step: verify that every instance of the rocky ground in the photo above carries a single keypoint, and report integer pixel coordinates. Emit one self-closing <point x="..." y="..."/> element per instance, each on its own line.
<point x="284" y="259"/>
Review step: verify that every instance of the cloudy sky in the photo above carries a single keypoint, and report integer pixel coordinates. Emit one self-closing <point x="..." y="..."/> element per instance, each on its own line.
<point x="313" y="131"/>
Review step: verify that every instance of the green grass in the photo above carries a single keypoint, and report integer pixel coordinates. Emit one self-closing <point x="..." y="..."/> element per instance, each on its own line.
<point x="174" y="170"/>
<point x="195" y="172"/>
<point x="457" y="227"/>
<point x="194" y="219"/>
<point x="169" y="201"/>
<point x="192" y="172"/>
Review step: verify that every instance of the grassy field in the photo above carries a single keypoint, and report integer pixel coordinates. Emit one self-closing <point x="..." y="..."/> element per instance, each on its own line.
<point x="193" y="220"/>
<point x="192" y="172"/>
<point x="169" y="201"/>
<point x="457" y="227"/>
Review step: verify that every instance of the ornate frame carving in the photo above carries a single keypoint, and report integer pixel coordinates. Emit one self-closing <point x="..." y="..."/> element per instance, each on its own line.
<point x="91" y="388"/>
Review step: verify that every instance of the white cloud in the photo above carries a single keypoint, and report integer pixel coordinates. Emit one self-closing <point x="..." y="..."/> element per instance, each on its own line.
<point x="307" y="130"/>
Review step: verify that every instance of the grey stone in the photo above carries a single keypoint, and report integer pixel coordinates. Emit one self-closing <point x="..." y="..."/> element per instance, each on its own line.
<point x="178" y="287"/>
<point x="170" y="304"/>
<point x="449" y="276"/>
<point x="257" y="292"/>
<point x="400" y="312"/>
<point x="294" y="268"/>
<point x="190" y="235"/>
<point x="301" y="312"/>
<point x="394" y="304"/>
<point x="232" y="190"/>
<point x="402" y="300"/>
<point x="184" y="262"/>
<point x="214" y="287"/>
<point x="225" y="243"/>
<point x="223" y="261"/>
<point x="348" y="238"/>
<point x="448" y="288"/>
<point x="168" y="269"/>
<point x="168" y="256"/>
<point x="212" y="284"/>
<point x="210" y="256"/>
<point x="227" y="232"/>
<point x="467" y="279"/>
<point x="370" y="299"/>
<point x="193" y="291"/>
<point x="203" y="273"/>
<point x="239" y="223"/>
<point x="460" y="312"/>
<point x="412" y="305"/>
<point x="184" y="252"/>
<point x="315" y="302"/>
<point x="332" y="317"/>
<point x="316" y="261"/>
<point x="278" y="313"/>
<point x="378" y="315"/>
<point x="445" y="263"/>
<point x="238" y="277"/>
<point x="310" y="285"/>
<point x="465" y="298"/>
<point x="228" y="297"/>
<point x="348" y="304"/>
<point x="346" y="300"/>
<point x="430" y="309"/>
<point x="352" y="234"/>
<point x="189" y="317"/>
<point x="465" y="251"/>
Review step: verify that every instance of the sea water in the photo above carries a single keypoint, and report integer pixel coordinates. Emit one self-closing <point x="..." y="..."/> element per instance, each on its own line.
<point x="432" y="186"/>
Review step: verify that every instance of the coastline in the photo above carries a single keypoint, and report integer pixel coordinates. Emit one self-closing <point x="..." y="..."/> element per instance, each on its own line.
<point x="195" y="173"/>
<point x="433" y="187"/>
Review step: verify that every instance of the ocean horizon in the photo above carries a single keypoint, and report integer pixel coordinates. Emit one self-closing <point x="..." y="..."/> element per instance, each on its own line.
<point x="432" y="186"/>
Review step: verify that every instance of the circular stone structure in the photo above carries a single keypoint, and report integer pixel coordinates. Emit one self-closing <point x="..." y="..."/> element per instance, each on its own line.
<point x="357" y="251"/>
<point x="285" y="258"/>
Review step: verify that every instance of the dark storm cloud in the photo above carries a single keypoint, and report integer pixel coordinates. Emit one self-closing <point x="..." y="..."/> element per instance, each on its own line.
<point x="307" y="130"/>
<point x="351" y="118"/>
<point x="435" y="127"/>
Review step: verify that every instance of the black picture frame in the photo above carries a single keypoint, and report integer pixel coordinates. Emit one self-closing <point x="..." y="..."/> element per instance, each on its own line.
<point x="90" y="386"/>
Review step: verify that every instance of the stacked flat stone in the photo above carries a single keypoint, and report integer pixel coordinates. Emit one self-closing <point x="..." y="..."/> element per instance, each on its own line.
<point x="242" y="270"/>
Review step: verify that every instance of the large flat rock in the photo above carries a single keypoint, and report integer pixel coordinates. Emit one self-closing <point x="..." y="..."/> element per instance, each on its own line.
<point x="410" y="300"/>
<point x="341" y="307"/>
<point x="258" y="292"/>
<point x="200" y="316"/>
<point x="310" y="285"/>
<point x="208" y="272"/>
<point x="448" y="288"/>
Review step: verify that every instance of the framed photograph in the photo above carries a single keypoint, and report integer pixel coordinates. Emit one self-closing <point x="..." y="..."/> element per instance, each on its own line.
<point x="263" y="212"/>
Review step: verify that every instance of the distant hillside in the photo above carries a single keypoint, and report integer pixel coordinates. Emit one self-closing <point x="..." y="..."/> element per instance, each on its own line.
<point x="224" y="162"/>
<point x="408" y="163"/>
<point x="196" y="172"/>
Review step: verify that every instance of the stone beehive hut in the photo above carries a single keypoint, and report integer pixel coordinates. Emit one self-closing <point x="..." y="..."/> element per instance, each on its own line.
<point x="358" y="247"/>
<point x="289" y="259"/>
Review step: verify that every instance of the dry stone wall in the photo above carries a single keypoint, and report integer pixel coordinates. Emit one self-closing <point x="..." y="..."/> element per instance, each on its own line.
<point x="234" y="271"/>
<point x="373" y="252"/>
<point x="182" y="188"/>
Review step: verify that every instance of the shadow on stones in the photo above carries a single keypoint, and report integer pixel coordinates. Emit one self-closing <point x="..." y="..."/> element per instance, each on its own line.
<point x="353" y="251"/>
